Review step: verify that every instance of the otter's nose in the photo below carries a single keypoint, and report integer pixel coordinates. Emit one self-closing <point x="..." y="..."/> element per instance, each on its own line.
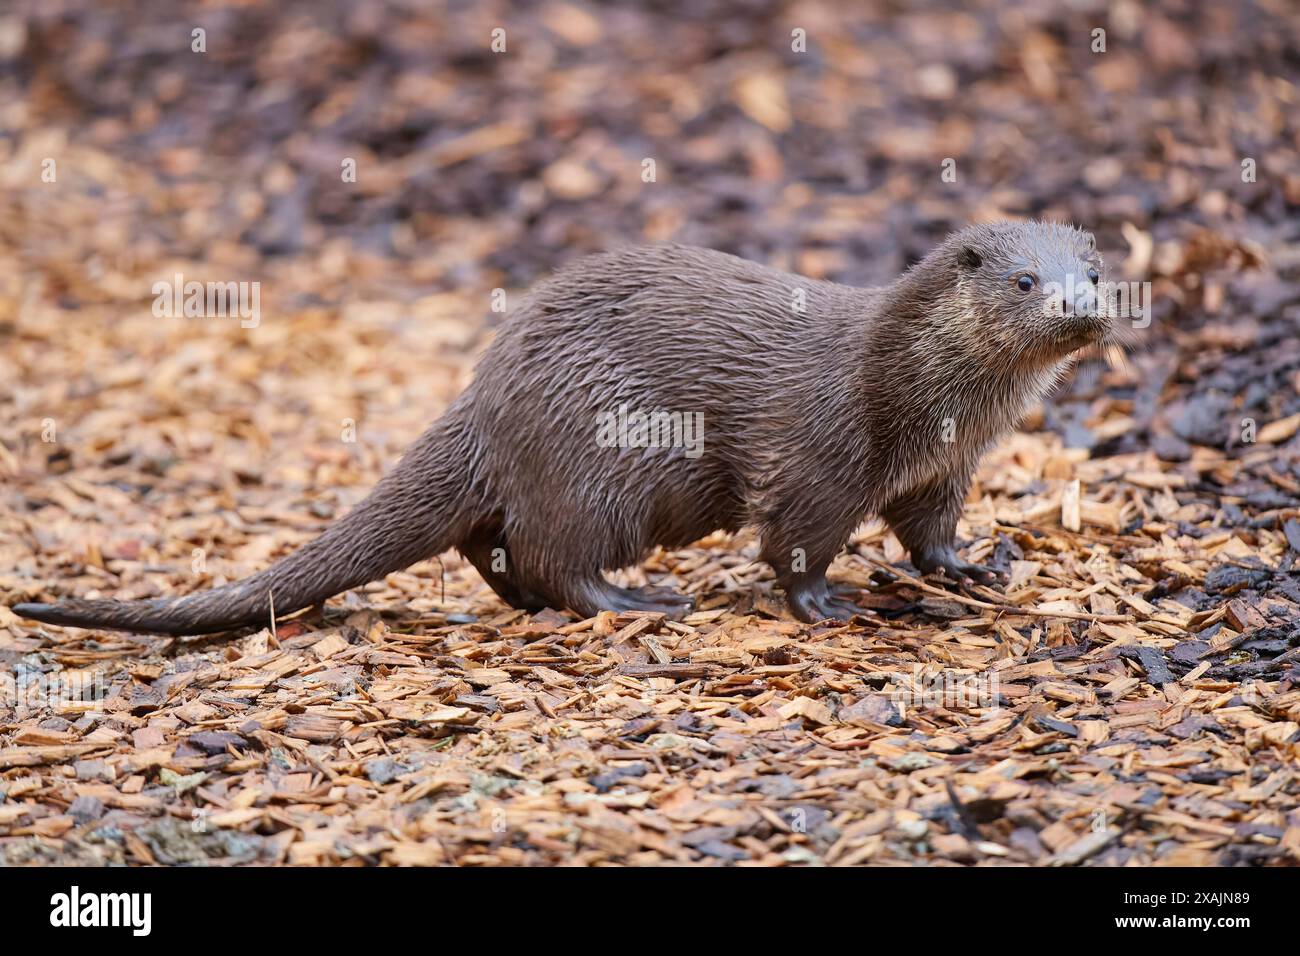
<point x="1080" y="298"/>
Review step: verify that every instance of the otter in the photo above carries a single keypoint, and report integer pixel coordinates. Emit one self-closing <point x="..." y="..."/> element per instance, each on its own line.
<point x="820" y="404"/>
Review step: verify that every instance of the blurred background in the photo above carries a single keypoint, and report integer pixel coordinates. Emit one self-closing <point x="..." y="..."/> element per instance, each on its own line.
<point x="809" y="135"/>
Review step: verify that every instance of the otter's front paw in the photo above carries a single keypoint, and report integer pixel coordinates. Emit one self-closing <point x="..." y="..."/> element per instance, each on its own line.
<point x="817" y="603"/>
<point x="946" y="562"/>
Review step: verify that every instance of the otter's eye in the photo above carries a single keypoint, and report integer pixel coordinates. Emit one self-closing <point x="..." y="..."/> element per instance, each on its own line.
<point x="1025" y="283"/>
<point x="1093" y="276"/>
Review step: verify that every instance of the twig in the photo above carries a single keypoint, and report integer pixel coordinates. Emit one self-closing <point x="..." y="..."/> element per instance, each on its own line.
<point x="274" y="637"/>
<point x="991" y="606"/>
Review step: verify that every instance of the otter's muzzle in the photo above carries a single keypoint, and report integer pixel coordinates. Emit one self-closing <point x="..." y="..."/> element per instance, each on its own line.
<point x="1073" y="307"/>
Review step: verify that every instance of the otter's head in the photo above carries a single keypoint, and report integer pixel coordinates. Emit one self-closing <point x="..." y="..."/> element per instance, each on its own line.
<point x="1029" y="289"/>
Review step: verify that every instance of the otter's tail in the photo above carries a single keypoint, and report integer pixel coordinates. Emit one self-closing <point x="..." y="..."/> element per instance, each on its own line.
<point x="420" y="508"/>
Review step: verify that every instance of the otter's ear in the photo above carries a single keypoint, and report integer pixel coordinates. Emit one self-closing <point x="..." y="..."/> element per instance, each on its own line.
<point x="969" y="259"/>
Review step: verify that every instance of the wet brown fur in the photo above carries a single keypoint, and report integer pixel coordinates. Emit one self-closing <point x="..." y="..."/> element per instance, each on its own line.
<point x="813" y="421"/>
